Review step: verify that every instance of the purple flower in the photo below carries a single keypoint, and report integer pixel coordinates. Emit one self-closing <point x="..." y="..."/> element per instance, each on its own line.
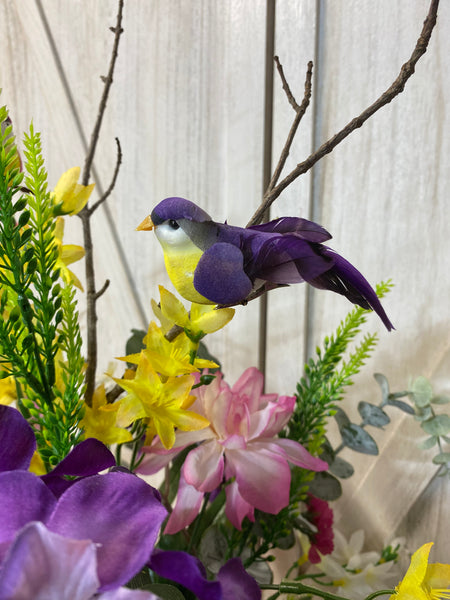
<point x="241" y="446"/>
<point x="233" y="582"/>
<point x="44" y="565"/>
<point x="118" y="514"/>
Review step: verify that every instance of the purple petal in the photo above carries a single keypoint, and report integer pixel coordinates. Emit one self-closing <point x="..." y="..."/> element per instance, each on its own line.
<point x="120" y="512"/>
<point x="236" y="582"/>
<point x="17" y="440"/>
<point x="219" y="275"/>
<point x="46" y="566"/>
<point x="127" y="594"/>
<point x="87" y="458"/>
<point x="23" y="498"/>
<point x="187" y="570"/>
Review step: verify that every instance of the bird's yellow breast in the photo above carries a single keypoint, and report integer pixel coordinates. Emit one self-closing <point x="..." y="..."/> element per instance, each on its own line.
<point x="181" y="267"/>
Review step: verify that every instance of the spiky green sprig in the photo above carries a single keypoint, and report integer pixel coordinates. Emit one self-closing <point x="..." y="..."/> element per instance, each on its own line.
<point x="323" y="383"/>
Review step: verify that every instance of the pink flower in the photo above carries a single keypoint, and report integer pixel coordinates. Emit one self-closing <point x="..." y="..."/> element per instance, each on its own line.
<point x="240" y="447"/>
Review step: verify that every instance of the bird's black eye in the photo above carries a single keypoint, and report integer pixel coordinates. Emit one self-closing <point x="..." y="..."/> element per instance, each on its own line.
<point x="173" y="224"/>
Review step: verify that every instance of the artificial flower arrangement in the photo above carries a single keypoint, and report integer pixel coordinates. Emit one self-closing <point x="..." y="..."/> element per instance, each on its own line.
<point x="246" y="474"/>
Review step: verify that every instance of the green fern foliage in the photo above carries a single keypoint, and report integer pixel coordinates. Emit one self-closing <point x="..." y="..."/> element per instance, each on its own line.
<point x="40" y="343"/>
<point x="326" y="376"/>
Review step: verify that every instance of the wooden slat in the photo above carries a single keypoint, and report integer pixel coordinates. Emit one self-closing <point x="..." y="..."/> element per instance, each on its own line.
<point x="382" y="194"/>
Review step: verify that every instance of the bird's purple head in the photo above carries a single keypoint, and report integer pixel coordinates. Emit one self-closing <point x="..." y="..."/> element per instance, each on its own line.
<point x="178" y="208"/>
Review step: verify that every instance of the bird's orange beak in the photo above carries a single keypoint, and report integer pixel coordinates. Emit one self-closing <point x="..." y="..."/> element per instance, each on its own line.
<point x="146" y="225"/>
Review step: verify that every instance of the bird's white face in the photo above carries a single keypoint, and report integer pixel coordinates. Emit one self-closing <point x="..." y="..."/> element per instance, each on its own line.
<point x="172" y="237"/>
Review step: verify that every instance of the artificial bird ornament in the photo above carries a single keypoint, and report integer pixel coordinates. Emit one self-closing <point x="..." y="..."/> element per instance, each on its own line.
<point x="217" y="263"/>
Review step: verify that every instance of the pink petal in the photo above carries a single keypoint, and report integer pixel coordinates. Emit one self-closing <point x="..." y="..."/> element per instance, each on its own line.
<point x="236" y="508"/>
<point x="254" y="468"/>
<point x="298" y="455"/>
<point x="187" y="507"/>
<point x="203" y="467"/>
<point x="268" y="421"/>
<point x="250" y="384"/>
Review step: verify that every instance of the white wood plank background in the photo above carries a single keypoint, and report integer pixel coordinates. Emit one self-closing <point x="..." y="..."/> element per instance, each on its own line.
<point x="187" y="104"/>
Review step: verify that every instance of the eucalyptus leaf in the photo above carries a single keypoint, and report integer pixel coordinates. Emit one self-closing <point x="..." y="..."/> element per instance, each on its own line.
<point x="164" y="591"/>
<point x="401" y="405"/>
<point x="327" y="452"/>
<point x="213" y="549"/>
<point x="440" y="399"/>
<point x="356" y="438"/>
<point x="442" y="458"/>
<point x="421" y="392"/>
<point x="325" y="486"/>
<point x="439" y="425"/>
<point x="428" y="443"/>
<point x="373" y="415"/>
<point x="260" y="571"/>
<point x="341" y="468"/>
<point x="287" y="542"/>
<point x="384" y="386"/>
<point x="341" y="418"/>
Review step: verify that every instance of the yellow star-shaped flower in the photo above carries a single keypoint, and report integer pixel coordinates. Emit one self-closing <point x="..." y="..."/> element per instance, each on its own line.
<point x="202" y="319"/>
<point x="100" y="420"/>
<point x="67" y="254"/>
<point x="163" y="404"/>
<point x="70" y="197"/>
<point x="169" y="358"/>
<point x="423" y="581"/>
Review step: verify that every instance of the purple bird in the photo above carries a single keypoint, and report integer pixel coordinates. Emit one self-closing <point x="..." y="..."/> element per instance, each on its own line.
<point x="216" y="263"/>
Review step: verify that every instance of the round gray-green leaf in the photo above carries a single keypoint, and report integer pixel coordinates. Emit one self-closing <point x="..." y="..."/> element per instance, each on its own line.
<point x="373" y="415"/>
<point x="421" y="391"/>
<point x="356" y="438"/>
<point x="439" y="425"/>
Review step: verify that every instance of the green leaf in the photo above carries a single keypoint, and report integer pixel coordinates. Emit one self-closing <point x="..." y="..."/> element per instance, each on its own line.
<point x="341" y="418"/>
<point x="356" y="438"/>
<point x="402" y="406"/>
<point x="439" y="425"/>
<point x="428" y="443"/>
<point x="164" y="591"/>
<point x="373" y="415"/>
<point x="442" y="458"/>
<point x="325" y="486"/>
<point x="135" y="343"/>
<point x="421" y="392"/>
<point x="213" y="549"/>
<point x="440" y="399"/>
<point x="341" y="468"/>
<point x="384" y="386"/>
<point x="24" y="218"/>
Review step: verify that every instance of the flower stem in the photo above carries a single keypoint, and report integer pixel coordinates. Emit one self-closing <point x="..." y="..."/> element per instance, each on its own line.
<point x="287" y="586"/>
<point x="380" y="593"/>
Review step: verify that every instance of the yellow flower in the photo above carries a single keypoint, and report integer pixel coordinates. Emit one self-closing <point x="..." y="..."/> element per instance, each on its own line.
<point x="164" y="404"/>
<point x="69" y="196"/>
<point x="8" y="392"/>
<point x="423" y="581"/>
<point x="67" y="255"/>
<point x="202" y="319"/>
<point x="100" y="420"/>
<point x="37" y="464"/>
<point x="169" y="358"/>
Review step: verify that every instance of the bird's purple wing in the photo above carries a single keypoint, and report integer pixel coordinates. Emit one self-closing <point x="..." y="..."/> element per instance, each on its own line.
<point x="220" y="276"/>
<point x="344" y="279"/>
<point x="302" y="228"/>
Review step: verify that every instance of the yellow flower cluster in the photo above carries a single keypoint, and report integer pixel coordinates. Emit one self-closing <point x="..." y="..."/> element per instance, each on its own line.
<point x="159" y="392"/>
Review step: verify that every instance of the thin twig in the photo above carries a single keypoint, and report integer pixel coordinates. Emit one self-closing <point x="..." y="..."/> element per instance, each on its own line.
<point x="300" y="111"/>
<point x="394" y="90"/>
<point x="91" y="294"/>
<point x="100" y="201"/>
<point x="102" y="290"/>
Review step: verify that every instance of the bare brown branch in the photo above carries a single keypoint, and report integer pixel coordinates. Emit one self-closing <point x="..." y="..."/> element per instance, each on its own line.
<point x="107" y="193"/>
<point x="91" y="294"/>
<point x="394" y="90"/>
